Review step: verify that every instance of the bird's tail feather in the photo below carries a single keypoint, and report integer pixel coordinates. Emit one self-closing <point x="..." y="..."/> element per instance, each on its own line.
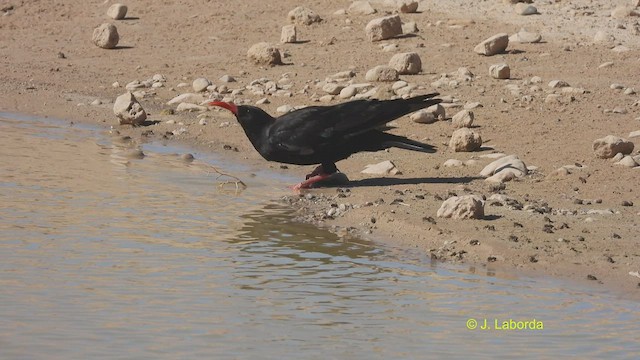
<point x="407" y="144"/>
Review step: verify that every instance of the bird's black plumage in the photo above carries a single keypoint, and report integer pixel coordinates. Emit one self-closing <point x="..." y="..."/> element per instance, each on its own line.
<point x="327" y="134"/>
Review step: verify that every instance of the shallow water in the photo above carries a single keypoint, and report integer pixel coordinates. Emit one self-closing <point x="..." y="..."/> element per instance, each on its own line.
<point x="108" y="256"/>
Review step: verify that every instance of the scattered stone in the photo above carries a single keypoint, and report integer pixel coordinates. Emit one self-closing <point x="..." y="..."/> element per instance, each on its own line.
<point x="304" y="16"/>
<point x="525" y="9"/>
<point x="410" y="28"/>
<point x="608" y="146"/>
<point x="382" y="73"/>
<point x="525" y="37"/>
<point x="464" y="140"/>
<point x="332" y="88"/>
<point x="383" y="168"/>
<point x="264" y="53"/>
<point x="462" y="207"/>
<point x="464" y="118"/>
<point x="634" y="134"/>
<point x="187" y="97"/>
<point x="554" y="84"/>
<point x="453" y="163"/>
<point x="361" y="8"/>
<point x="348" y="92"/>
<point x="591" y="277"/>
<point x="621" y="12"/>
<point x="601" y="37"/>
<point x="606" y="64"/>
<point x="406" y="63"/>
<point x="509" y="167"/>
<point x="384" y="28"/>
<point x="188" y="107"/>
<point x="627" y="203"/>
<point x="500" y="71"/>
<point x="289" y="34"/>
<point x="285" y="109"/>
<point x="106" y="36"/>
<point x="200" y="84"/>
<point x="117" y="11"/>
<point x="629" y="91"/>
<point x="423" y="117"/>
<point x="227" y="79"/>
<point x="627" y="161"/>
<point x="128" y="110"/>
<point x="408" y="6"/>
<point x="494" y="45"/>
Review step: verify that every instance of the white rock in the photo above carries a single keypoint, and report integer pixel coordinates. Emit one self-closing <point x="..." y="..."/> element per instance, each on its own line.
<point x="227" y="78"/>
<point x="453" y="163"/>
<point x="289" y="34"/>
<point x="106" y="36"/>
<point x="621" y="12"/>
<point x="382" y="73"/>
<point x="128" y="110"/>
<point x="525" y="9"/>
<point x="117" y="11"/>
<point x="464" y="140"/>
<point x="384" y="28"/>
<point x="552" y="98"/>
<point x="408" y="6"/>
<point x="627" y="161"/>
<point x="500" y="71"/>
<point x="410" y="27"/>
<point x="602" y="37"/>
<point x="361" y="8"/>
<point x="464" y="118"/>
<point x="634" y="134"/>
<point x="608" y="146"/>
<point x="398" y="85"/>
<point x="303" y="16"/>
<point x="554" y="84"/>
<point x="348" y="92"/>
<point x="423" y="117"/>
<point x="285" y="109"/>
<point x="382" y="168"/>
<point x="472" y="105"/>
<point x="606" y="64"/>
<point x="406" y="63"/>
<point x="332" y="88"/>
<point x="264" y="53"/>
<point x="188" y="97"/>
<point x="494" y="45"/>
<point x="462" y="207"/>
<point x="511" y="162"/>
<point x="503" y="176"/>
<point x="188" y="107"/>
<point x="525" y="37"/>
<point x="200" y="84"/>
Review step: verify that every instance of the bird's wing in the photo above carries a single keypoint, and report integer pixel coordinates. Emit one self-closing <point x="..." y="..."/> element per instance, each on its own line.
<point x="311" y="129"/>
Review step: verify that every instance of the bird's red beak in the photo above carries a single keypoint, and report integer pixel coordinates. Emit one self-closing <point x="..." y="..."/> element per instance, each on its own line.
<point x="229" y="106"/>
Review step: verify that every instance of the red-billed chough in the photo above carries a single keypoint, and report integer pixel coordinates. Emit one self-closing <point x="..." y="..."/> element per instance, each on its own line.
<point x="327" y="134"/>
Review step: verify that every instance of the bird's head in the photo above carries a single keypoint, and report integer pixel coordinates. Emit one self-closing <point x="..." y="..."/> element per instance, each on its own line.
<point x="251" y="118"/>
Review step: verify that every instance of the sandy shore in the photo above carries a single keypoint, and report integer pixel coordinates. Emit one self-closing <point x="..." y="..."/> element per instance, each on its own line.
<point x="555" y="225"/>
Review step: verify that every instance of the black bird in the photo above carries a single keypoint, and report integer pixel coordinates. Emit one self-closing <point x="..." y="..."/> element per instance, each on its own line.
<point x="327" y="134"/>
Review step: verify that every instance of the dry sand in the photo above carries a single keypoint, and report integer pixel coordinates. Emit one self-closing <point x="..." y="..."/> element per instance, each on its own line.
<point x="50" y="67"/>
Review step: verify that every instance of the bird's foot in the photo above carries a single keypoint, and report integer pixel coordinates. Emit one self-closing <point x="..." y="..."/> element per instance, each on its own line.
<point x="311" y="179"/>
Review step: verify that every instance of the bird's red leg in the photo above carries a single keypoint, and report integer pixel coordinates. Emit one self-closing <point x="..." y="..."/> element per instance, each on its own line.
<point x="316" y="175"/>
